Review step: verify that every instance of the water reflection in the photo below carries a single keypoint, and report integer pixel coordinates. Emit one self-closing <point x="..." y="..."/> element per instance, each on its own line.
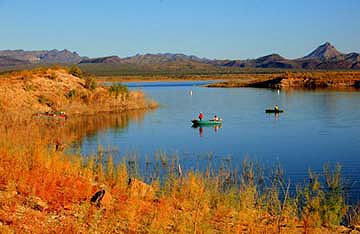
<point x="275" y="115"/>
<point x="90" y="126"/>
<point x="201" y="128"/>
<point x="73" y="131"/>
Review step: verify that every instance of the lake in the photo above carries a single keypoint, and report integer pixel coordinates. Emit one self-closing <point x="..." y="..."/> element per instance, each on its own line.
<point x="317" y="127"/>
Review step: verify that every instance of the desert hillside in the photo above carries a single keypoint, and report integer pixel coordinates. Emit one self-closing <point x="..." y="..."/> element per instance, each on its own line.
<point x="58" y="89"/>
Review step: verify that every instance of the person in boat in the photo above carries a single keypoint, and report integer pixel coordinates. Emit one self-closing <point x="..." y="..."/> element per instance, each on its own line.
<point x="216" y="118"/>
<point x="201" y="116"/>
<point x="276" y="107"/>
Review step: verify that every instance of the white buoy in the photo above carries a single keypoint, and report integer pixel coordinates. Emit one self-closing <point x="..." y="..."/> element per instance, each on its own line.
<point x="278" y="91"/>
<point x="190" y="92"/>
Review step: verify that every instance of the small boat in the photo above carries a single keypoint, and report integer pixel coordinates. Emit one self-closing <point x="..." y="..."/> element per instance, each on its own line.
<point x="273" y="111"/>
<point x="206" y="122"/>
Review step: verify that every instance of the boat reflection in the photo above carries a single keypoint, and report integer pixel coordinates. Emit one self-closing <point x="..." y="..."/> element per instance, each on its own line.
<point x="201" y="128"/>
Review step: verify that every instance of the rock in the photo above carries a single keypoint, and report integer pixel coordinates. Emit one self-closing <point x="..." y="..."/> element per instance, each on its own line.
<point x="101" y="198"/>
<point x="139" y="189"/>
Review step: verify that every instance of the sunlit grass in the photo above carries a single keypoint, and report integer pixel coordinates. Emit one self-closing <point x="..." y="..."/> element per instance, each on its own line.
<point x="43" y="191"/>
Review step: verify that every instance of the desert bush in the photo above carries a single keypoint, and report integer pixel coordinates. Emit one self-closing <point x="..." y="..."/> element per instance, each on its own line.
<point x="323" y="203"/>
<point x="90" y="83"/>
<point x="118" y="89"/>
<point x="334" y="205"/>
<point x="43" y="100"/>
<point x="52" y="76"/>
<point x="71" y="94"/>
<point x="30" y="87"/>
<point x="76" y="71"/>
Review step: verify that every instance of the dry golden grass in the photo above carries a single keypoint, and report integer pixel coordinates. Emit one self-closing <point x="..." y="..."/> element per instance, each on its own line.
<point x="54" y="89"/>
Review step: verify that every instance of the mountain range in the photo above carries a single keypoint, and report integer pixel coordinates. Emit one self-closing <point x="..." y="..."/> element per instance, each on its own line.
<point x="326" y="56"/>
<point x="21" y="57"/>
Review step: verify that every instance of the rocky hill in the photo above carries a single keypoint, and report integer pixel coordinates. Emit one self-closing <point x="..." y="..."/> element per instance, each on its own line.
<point x="268" y="61"/>
<point x="109" y="59"/>
<point x="325" y="51"/>
<point x="163" y="58"/>
<point x="12" y="61"/>
<point x="326" y="56"/>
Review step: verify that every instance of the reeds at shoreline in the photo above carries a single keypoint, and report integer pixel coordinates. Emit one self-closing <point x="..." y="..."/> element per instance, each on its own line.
<point x="46" y="191"/>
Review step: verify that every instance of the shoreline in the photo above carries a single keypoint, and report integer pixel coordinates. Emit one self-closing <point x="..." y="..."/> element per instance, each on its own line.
<point x="281" y="80"/>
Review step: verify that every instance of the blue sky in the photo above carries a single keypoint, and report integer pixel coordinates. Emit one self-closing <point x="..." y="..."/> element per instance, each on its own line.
<point x="206" y="28"/>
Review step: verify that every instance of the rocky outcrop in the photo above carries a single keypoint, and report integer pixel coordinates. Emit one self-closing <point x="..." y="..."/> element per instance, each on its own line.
<point x="101" y="198"/>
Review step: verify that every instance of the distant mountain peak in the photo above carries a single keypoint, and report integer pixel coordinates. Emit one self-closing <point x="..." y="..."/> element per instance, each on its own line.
<point x="109" y="60"/>
<point x="325" y="51"/>
<point x="271" y="57"/>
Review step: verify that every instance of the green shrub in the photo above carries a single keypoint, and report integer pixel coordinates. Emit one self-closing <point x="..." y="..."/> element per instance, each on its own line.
<point x="43" y="100"/>
<point x="334" y="204"/>
<point x="52" y="76"/>
<point x="118" y="89"/>
<point x="323" y="204"/>
<point x="71" y="94"/>
<point x="76" y="71"/>
<point x="30" y="87"/>
<point x="90" y="83"/>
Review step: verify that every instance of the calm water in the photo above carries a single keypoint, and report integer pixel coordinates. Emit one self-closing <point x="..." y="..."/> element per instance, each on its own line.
<point x="317" y="127"/>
